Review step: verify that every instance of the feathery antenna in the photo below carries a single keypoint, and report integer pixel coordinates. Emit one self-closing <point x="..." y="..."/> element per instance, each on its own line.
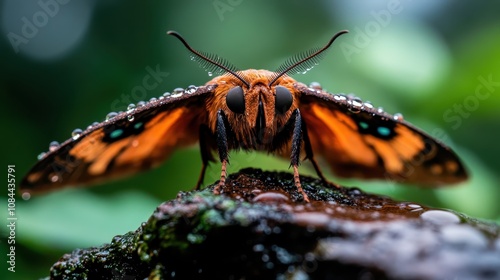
<point x="210" y="61"/>
<point x="305" y="61"/>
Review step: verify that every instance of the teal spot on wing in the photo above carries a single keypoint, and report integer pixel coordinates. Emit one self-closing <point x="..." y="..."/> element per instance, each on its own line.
<point x="116" y="133"/>
<point x="363" y="125"/>
<point x="384" y="131"/>
<point x="138" y="125"/>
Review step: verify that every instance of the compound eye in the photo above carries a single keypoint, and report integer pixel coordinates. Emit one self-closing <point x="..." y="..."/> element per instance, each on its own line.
<point x="235" y="100"/>
<point x="283" y="100"/>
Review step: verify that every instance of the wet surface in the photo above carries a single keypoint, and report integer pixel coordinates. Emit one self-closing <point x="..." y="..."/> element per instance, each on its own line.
<point x="259" y="228"/>
<point x="328" y="202"/>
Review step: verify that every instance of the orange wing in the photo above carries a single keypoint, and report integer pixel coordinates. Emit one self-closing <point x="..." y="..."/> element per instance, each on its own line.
<point x="132" y="141"/>
<point x="358" y="140"/>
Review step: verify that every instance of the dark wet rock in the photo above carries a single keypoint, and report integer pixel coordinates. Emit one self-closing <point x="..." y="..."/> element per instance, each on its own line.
<point x="261" y="229"/>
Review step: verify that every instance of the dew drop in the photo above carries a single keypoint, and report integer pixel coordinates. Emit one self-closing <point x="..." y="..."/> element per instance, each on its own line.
<point x="26" y="195"/>
<point x="315" y="85"/>
<point x="166" y="94"/>
<point x="258" y="248"/>
<point x="153" y="99"/>
<point x="306" y="70"/>
<point x="380" y="110"/>
<point x="130" y="112"/>
<point x="54" y="145"/>
<point x="355" y="105"/>
<point x="54" y="178"/>
<point x="161" y="97"/>
<point x="130" y="108"/>
<point x="398" y="117"/>
<point x="273" y="197"/>
<point x="210" y="74"/>
<point x="177" y="92"/>
<point x="440" y="217"/>
<point x="191" y="89"/>
<point x="92" y="125"/>
<point x="368" y="104"/>
<point x="413" y="207"/>
<point x="116" y="239"/>
<point x="75" y="134"/>
<point x="111" y="115"/>
<point x="41" y="155"/>
<point x="355" y="191"/>
<point x="340" y="97"/>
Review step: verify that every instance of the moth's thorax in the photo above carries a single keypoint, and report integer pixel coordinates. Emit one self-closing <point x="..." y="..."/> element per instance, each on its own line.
<point x="255" y="128"/>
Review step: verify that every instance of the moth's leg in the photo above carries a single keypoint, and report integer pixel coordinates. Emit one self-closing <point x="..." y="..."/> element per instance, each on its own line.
<point x="295" y="156"/>
<point x="310" y="156"/>
<point x="222" y="147"/>
<point x="206" y="155"/>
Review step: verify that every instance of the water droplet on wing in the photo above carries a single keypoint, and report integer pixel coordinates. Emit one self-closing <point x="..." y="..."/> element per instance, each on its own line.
<point x="177" y="92"/>
<point x="315" y="85"/>
<point x="54" y="145"/>
<point x="368" y="104"/>
<point x="111" y="115"/>
<point x="191" y="89"/>
<point x="398" y="117"/>
<point x="355" y="105"/>
<point x="75" y="134"/>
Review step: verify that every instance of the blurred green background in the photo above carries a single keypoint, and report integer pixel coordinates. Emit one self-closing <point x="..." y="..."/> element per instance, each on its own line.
<point x="66" y="65"/>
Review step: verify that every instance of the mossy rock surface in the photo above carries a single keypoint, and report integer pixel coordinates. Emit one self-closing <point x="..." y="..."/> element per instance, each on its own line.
<point x="259" y="228"/>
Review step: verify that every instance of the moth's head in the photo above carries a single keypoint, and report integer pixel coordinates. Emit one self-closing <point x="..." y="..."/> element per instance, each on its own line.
<point x="256" y="104"/>
<point x="276" y="98"/>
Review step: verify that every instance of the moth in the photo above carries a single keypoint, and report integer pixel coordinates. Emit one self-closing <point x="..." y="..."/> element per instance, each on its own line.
<point x="250" y="110"/>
